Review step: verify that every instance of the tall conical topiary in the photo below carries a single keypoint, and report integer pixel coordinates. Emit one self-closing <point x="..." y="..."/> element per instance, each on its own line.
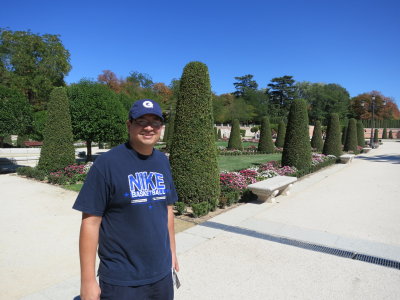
<point x="344" y="134"/>
<point x="384" y="134"/>
<point x="58" y="149"/>
<point x="193" y="154"/>
<point x="235" y="140"/>
<point x="333" y="145"/>
<point x="360" y="134"/>
<point x="316" y="141"/>
<point x="265" y="143"/>
<point x="351" y="137"/>
<point x="219" y="134"/>
<point x="297" y="148"/>
<point x="280" y="139"/>
<point x="390" y="134"/>
<point x="376" y="136"/>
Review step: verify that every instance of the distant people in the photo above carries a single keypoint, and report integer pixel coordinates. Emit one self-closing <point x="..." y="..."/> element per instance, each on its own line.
<point x="127" y="211"/>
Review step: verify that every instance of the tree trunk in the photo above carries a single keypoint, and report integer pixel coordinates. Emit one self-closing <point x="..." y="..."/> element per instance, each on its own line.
<point x="89" y="151"/>
<point x="1" y="141"/>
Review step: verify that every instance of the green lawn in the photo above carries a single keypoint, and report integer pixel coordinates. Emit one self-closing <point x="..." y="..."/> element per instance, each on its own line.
<point x="239" y="162"/>
<point x="73" y="187"/>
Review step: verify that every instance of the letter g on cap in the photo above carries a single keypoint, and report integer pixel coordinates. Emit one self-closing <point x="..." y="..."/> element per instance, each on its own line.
<point x="148" y="104"/>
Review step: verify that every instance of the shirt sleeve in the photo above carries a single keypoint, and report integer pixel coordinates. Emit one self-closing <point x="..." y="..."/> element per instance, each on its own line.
<point x="94" y="195"/>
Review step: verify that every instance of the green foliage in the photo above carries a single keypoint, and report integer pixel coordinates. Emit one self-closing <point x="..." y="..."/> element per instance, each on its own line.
<point x="7" y="140"/>
<point x="360" y="134"/>
<point x="38" y="125"/>
<point x="58" y="149"/>
<point x="200" y="209"/>
<point x="332" y="143"/>
<point x="235" y="141"/>
<point x="242" y="132"/>
<point x="390" y="134"/>
<point x="384" y="134"/>
<point x="316" y="140"/>
<point x="282" y="92"/>
<point x="344" y="134"/>
<point x="351" y="138"/>
<point x="219" y="135"/>
<point x="21" y="139"/>
<point x="180" y="207"/>
<point x="193" y="152"/>
<point x="15" y="112"/>
<point x="96" y="113"/>
<point x="33" y="64"/>
<point x="35" y="173"/>
<point x="265" y="143"/>
<point x="280" y="139"/>
<point x="216" y="133"/>
<point x="297" y="148"/>
<point x="171" y="127"/>
<point x="376" y="136"/>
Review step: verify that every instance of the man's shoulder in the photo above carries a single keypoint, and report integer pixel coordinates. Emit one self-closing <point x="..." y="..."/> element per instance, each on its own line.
<point x="110" y="155"/>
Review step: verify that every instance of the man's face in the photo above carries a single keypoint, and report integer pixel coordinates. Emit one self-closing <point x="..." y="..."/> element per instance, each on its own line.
<point x="145" y="131"/>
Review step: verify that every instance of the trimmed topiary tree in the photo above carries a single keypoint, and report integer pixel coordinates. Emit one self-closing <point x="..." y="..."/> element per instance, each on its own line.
<point x="360" y="134"/>
<point x="344" y="134"/>
<point x="58" y="149"/>
<point x="333" y="145"/>
<point x="265" y="143"/>
<point x="297" y="147"/>
<point x="193" y="152"/>
<point x="376" y="136"/>
<point x="351" y="137"/>
<point x="171" y="127"/>
<point x="219" y="134"/>
<point x="280" y="139"/>
<point x="390" y="134"/>
<point x="316" y="140"/>
<point x="384" y="134"/>
<point x="235" y="140"/>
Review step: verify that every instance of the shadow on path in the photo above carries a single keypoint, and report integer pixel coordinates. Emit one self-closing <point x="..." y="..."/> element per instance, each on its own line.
<point x="391" y="158"/>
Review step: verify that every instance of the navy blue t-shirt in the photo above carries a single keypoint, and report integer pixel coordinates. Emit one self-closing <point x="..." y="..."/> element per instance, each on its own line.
<point x="131" y="193"/>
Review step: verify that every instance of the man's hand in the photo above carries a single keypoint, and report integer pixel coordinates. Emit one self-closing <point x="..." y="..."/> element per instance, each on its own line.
<point x="175" y="264"/>
<point x="90" y="290"/>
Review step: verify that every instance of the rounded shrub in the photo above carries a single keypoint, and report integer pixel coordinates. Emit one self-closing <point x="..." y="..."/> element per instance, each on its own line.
<point x="351" y="137"/>
<point x="58" y="149"/>
<point x="265" y="143"/>
<point x="193" y="154"/>
<point x="333" y="145"/>
<point x="316" y="140"/>
<point x="297" y="148"/>
<point x="235" y="140"/>
<point x="384" y="134"/>
<point x="280" y="139"/>
<point x="360" y="134"/>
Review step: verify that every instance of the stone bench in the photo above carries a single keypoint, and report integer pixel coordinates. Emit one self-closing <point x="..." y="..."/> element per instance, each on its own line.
<point x="268" y="189"/>
<point x="346" y="158"/>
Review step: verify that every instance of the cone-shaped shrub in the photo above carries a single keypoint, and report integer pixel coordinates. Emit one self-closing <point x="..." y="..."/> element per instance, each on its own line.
<point x="297" y="147"/>
<point x="219" y="134"/>
<point x="265" y="143"/>
<point x="193" y="153"/>
<point x="333" y="145"/>
<point x="390" y="134"/>
<point x="376" y="135"/>
<point x="58" y="148"/>
<point x="344" y="134"/>
<point x="316" y="140"/>
<point x="235" y="140"/>
<point x="384" y="134"/>
<point x="360" y="134"/>
<point x="351" y="137"/>
<point x="280" y="139"/>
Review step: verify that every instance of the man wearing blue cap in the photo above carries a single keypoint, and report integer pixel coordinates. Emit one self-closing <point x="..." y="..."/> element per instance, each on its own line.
<point x="126" y="204"/>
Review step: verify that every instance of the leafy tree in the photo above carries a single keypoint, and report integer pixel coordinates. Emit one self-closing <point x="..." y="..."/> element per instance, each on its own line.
<point x="384" y="134"/>
<point x="351" y="137"/>
<point x="316" y="140"/>
<point x="38" y="125"/>
<point x="235" y="140"/>
<point x="280" y="139"/>
<point x="58" y="146"/>
<point x="258" y="100"/>
<point x="265" y="143"/>
<point x="282" y="92"/>
<point x="333" y="145"/>
<point x="33" y="64"/>
<point x="193" y="153"/>
<point x="297" y="148"/>
<point x="97" y="114"/>
<point x="243" y="84"/>
<point x="110" y="79"/>
<point x="360" y="134"/>
<point x="15" y="113"/>
<point x="138" y="79"/>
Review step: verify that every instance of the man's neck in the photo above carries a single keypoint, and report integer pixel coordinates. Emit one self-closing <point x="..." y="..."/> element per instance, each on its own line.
<point x="142" y="150"/>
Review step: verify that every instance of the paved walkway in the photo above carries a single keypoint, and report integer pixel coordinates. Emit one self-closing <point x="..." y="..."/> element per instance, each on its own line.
<point x="238" y="254"/>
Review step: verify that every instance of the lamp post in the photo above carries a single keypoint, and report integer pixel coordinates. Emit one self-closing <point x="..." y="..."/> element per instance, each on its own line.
<point x="371" y="142"/>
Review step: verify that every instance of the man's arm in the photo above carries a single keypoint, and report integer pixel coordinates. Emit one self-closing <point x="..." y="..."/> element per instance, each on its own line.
<point x="171" y="231"/>
<point x="88" y="241"/>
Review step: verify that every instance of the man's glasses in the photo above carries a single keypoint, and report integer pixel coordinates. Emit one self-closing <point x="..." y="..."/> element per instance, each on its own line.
<point x="144" y="123"/>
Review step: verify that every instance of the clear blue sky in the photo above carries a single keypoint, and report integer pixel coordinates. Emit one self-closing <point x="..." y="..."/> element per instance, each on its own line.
<point x="352" y="43"/>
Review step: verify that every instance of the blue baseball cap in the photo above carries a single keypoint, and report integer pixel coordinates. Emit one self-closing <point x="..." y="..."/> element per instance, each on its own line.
<point x="144" y="107"/>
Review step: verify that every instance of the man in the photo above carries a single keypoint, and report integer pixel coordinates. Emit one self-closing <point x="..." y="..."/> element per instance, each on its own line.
<point x="126" y="205"/>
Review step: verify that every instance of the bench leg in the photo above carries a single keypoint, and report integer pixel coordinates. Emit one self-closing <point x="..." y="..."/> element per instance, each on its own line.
<point x="286" y="190"/>
<point x="271" y="198"/>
